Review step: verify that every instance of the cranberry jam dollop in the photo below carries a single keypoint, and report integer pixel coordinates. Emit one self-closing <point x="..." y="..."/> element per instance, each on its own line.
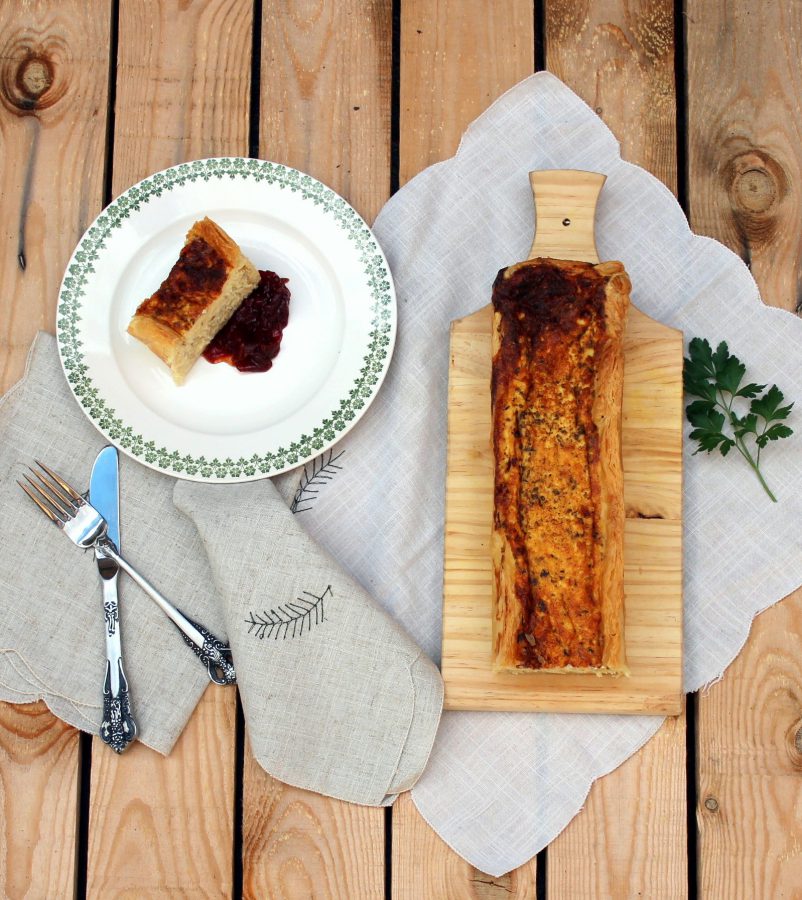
<point x="251" y="338"/>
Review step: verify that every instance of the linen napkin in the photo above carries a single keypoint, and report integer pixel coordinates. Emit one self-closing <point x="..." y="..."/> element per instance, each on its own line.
<point x="337" y="698"/>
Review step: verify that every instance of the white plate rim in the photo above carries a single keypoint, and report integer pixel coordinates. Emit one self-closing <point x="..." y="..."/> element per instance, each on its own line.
<point x="146" y="448"/>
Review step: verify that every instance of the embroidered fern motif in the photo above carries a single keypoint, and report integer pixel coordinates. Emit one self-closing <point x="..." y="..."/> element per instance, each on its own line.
<point x="289" y="619"/>
<point x="323" y="469"/>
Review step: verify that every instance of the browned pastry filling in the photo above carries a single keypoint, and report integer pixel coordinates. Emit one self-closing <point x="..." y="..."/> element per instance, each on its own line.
<point x="198" y="272"/>
<point x="558" y="329"/>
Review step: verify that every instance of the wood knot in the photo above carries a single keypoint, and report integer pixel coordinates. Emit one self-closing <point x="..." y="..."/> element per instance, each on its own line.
<point x="756" y="184"/>
<point x="711" y="804"/>
<point x="28" y="80"/>
<point x="34" y="77"/>
<point x="754" y="190"/>
<point x="794" y="744"/>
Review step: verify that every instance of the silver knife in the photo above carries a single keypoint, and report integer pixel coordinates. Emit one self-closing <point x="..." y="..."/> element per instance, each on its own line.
<point x="118" y="727"/>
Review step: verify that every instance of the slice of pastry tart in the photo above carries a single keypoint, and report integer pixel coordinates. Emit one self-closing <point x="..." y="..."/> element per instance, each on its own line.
<point x="205" y="286"/>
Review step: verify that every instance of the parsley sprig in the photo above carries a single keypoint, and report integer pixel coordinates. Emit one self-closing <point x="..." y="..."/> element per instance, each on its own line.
<point x="715" y="377"/>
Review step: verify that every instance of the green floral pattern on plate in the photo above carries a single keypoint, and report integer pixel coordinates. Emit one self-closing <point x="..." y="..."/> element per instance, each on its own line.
<point x="306" y="446"/>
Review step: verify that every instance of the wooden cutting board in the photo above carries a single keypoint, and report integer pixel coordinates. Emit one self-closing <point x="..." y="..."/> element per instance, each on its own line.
<point x="565" y="204"/>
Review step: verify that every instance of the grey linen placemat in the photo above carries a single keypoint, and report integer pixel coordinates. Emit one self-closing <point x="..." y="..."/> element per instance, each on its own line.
<point x="337" y="698"/>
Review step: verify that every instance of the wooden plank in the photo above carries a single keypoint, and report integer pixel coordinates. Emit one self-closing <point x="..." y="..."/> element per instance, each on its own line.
<point x="456" y="58"/>
<point x="52" y="128"/>
<point x="744" y="154"/>
<point x="745" y="165"/>
<point x="325" y="109"/>
<point x="39" y="769"/>
<point x="299" y="844"/>
<point x="652" y="453"/>
<point x="626" y="841"/>
<point x="440" y="874"/>
<point x="749" y="731"/>
<point x="52" y="121"/>
<point x="162" y="826"/>
<point x="619" y="57"/>
<point x="166" y="824"/>
<point x="183" y="84"/>
<point x="325" y="96"/>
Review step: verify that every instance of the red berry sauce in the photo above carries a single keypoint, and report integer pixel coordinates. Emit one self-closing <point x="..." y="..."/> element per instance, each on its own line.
<point x="251" y="338"/>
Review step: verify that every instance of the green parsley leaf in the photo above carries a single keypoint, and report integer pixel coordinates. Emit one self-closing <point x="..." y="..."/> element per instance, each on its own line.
<point x="730" y="375"/>
<point x="697" y="386"/>
<point x="701" y="355"/>
<point x="708" y="423"/>
<point x="751" y="390"/>
<point x="768" y="405"/>
<point x="773" y="434"/>
<point x="721" y="357"/>
<point x="746" y="425"/>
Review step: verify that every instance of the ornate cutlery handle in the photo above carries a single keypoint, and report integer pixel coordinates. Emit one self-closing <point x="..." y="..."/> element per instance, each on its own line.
<point x="214" y="654"/>
<point x="118" y="727"/>
<point x="211" y="651"/>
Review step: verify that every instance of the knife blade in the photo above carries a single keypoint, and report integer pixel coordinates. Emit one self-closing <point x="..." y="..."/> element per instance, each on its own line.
<point x="118" y="727"/>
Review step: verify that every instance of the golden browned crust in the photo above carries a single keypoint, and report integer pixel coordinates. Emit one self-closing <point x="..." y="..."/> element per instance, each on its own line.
<point x="558" y="529"/>
<point x="203" y="289"/>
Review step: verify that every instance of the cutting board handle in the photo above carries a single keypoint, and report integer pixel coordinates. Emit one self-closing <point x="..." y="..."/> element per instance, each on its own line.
<point x="565" y="210"/>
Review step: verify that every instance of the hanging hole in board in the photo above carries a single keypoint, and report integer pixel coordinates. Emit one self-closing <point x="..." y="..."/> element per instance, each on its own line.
<point x="566" y="222"/>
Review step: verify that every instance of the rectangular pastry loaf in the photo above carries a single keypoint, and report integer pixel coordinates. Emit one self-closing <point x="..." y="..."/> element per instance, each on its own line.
<point x="558" y="528"/>
<point x="202" y="291"/>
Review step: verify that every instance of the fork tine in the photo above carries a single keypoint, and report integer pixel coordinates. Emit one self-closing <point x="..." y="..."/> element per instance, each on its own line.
<point x="50" y="496"/>
<point x="54" y="488"/>
<point x="68" y="488"/>
<point x="51" y="515"/>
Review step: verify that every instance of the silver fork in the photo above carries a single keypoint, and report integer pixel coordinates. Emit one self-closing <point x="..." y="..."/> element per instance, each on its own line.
<point x="86" y="528"/>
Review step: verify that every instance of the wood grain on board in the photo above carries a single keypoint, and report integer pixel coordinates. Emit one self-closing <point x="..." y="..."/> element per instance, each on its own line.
<point x="652" y="454"/>
<point x="183" y="82"/>
<point x="299" y="844"/>
<point x="619" y="56"/>
<point x="439" y="872"/>
<point x="325" y="109"/>
<point x="456" y="58"/>
<point x="745" y="171"/>
<point x="39" y="771"/>
<point x="745" y="136"/>
<point x="624" y="842"/>
<point x="52" y="136"/>
<point x="52" y="133"/>
<point x="325" y="98"/>
<point x="164" y="825"/>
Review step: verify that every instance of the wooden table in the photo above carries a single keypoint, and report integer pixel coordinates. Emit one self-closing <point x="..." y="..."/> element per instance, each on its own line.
<point x="97" y="94"/>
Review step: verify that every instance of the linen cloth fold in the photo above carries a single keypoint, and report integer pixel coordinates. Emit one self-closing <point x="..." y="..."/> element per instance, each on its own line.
<point x="365" y="693"/>
<point x="337" y="697"/>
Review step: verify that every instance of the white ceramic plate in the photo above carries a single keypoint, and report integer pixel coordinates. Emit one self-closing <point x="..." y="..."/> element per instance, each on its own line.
<point x="223" y="425"/>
